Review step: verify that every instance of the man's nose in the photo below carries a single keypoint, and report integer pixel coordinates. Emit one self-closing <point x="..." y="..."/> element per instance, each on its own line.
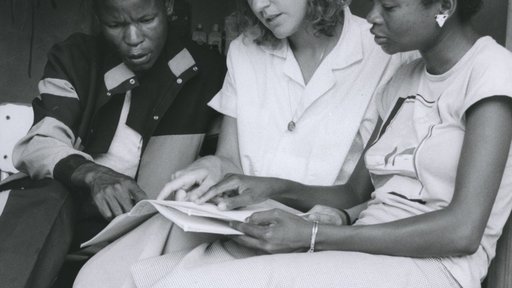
<point x="133" y="36"/>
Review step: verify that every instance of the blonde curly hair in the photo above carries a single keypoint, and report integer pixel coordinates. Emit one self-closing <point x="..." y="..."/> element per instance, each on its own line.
<point x="324" y="16"/>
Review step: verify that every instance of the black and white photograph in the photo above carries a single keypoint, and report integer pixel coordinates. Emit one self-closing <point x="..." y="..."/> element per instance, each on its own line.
<point x="255" y="143"/>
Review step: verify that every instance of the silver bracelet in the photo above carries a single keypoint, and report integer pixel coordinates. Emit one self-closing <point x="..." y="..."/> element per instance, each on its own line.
<point x="314" y="231"/>
<point x="347" y="216"/>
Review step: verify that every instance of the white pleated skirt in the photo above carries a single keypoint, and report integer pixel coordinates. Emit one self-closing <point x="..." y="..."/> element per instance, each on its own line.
<point x="158" y="254"/>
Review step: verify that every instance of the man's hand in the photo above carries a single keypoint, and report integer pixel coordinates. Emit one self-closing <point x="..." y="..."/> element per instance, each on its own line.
<point x="113" y="192"/>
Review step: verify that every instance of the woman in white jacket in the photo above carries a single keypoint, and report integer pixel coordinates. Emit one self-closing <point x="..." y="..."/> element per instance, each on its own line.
<point x="298" y="105"/>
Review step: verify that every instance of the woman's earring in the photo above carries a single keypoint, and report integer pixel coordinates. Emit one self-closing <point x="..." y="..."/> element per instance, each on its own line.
<point x="440" y="19"/>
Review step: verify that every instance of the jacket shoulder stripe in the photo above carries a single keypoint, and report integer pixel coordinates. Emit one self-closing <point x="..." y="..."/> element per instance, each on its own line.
<point x="117" y="75"/>
<point x="181" y="62"/>
<point x="57" y="87"/>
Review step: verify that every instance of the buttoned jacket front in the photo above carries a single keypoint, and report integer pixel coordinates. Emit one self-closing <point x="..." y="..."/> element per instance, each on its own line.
<point x="81" y="96"/>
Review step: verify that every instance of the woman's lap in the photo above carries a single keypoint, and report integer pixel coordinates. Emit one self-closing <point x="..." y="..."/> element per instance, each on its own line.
<point x="111" y="267"/>
<point x="193" y="260"/>
<point x="223" y="264"/>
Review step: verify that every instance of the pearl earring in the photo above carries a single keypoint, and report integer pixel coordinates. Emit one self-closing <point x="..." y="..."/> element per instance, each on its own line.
<point x="441" y="19"/>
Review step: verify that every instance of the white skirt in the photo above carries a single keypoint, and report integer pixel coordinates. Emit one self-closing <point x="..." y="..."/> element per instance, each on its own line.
<point x="158" y="254"/>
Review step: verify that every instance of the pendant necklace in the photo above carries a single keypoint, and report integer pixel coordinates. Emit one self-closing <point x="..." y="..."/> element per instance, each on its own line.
<point x="293" y="122"/>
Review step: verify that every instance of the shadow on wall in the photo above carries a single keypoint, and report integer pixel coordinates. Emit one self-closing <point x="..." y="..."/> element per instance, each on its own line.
<point x="50" y="21"/>
<point x="54" y="20"/>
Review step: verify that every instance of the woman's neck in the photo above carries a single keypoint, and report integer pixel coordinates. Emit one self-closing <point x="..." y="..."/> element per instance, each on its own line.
<point x="310" y="49"/>
<point x="306" y="39"/>
<point x="449" y="48"/>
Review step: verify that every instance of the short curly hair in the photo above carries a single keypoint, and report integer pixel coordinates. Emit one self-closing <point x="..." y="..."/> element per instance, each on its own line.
<point x="466" y="9"/>
<point x="324" y="15"/>
<point x="94" y="5"/>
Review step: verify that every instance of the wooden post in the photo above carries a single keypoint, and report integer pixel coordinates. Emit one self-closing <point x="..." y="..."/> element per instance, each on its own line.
<point x="499" y="275"/>
<point x="509" y="26"/>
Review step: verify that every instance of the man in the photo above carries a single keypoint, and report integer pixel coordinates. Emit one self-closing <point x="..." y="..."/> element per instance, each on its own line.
<point x="117" y="114"/>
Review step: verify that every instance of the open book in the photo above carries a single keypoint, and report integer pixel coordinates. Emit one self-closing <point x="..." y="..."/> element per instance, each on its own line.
<point x="191" y="217"/>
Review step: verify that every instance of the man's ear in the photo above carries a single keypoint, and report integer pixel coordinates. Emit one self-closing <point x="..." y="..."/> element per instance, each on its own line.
<point x="169" y="6"/>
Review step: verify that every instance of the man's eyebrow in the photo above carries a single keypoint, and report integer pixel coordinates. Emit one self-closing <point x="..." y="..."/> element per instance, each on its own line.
<point x="110" y="17"/>
<point x="148" y="14"/>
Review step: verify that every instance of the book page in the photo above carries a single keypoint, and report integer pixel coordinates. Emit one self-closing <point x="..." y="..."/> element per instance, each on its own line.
<point x="211" y="210"/>
<point x="120" y="226"/>
<point x="197" y="224"/>
<point x="191" y="217"/>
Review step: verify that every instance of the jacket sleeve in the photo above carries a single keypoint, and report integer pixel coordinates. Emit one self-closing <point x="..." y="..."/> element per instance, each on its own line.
<point x="57" y="114"/>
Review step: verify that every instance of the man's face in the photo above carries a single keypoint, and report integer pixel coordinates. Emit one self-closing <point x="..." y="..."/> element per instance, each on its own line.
<point x="137" y="28"/>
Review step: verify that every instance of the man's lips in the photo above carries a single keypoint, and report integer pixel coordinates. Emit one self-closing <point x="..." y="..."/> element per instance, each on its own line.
<point x="138" y="58"/>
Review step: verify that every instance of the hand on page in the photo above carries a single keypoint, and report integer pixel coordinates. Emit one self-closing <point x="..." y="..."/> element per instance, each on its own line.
<point x="274" y="231"/>
<point x="113" y="193"/>
<point x="193" y="181"/>
<point x="236" y="191"/>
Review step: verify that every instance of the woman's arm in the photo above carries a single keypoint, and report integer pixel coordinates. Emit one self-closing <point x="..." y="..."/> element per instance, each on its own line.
<point x="227" y="147"/>
<point x="354" y="192"/>
<point x="251" y="189"/>
<point x="458" y="229"/>
<point x="199" y="176"/>
<point x="453" y="231"/>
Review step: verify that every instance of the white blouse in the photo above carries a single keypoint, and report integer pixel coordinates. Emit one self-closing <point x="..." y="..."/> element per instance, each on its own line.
<point x="334" y="113"/>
